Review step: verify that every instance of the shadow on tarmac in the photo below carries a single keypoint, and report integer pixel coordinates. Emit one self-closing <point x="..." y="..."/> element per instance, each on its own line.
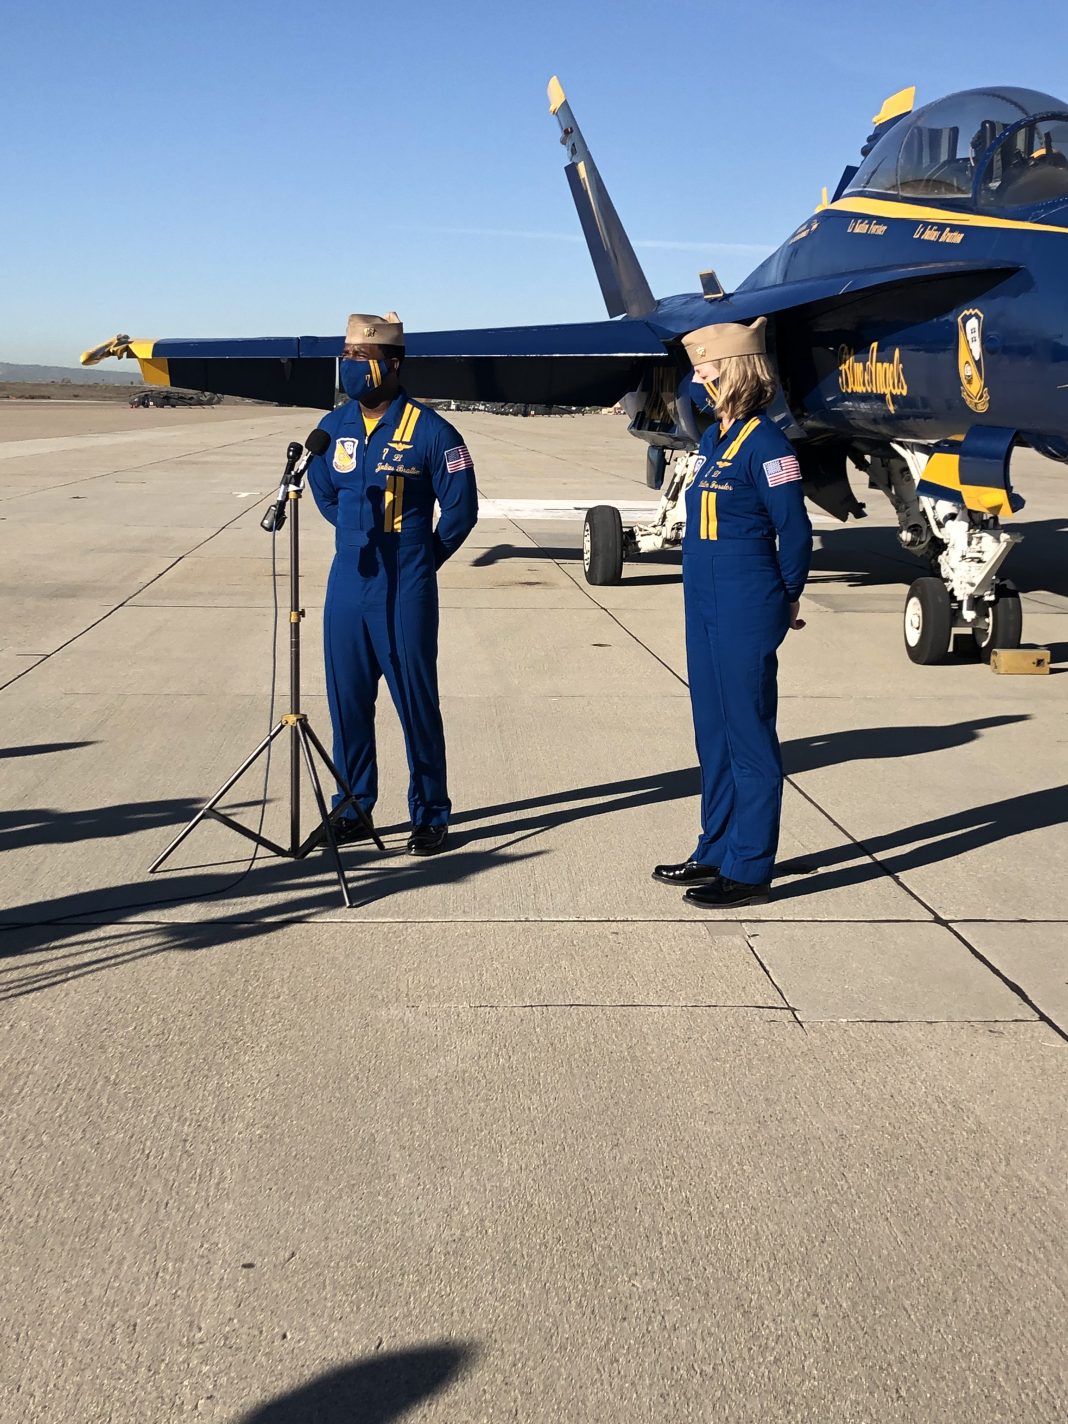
<point x="946" y="838"/>
<point x="371" y="1391"/>
<point x="42" y="749"/>
<point x="866" y="556"/>
<point x="275" y="892"/>
<point x="670" y="561"/>
<point x="41" y="825"/>
<point x="859" y="555"/>
<point x="882" y="743"/>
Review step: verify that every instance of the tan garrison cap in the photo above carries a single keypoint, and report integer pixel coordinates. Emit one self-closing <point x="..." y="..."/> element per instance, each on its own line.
<point x="377" y="330"/>
<point x="717" y="343"/>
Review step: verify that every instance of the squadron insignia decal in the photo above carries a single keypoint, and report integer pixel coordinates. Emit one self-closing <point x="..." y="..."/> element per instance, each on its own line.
<point x="345" y="456"/>
<point x="970" y="362"/>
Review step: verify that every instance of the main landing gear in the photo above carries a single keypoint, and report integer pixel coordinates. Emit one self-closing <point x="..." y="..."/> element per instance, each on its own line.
<point x="933" y="622"/>
<point x="962" y="606"/>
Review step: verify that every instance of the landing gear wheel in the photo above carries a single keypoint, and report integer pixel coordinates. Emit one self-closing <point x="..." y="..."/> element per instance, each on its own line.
<point x="602" y="545"/>
<point x="1003" y="627"/>
<point x="928" y="621"/>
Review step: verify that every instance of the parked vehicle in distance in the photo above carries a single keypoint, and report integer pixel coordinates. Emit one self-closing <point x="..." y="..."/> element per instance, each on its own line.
<point x="144" y="399"/>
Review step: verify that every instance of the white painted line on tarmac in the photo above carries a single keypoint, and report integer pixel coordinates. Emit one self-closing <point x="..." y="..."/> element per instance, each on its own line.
<point x="575" y="510"/>
<point x="560" y="509"/>
<point x="57" y="445"/>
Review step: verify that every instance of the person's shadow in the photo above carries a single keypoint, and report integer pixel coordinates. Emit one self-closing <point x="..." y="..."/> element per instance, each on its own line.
<point x="369" y="1391"/>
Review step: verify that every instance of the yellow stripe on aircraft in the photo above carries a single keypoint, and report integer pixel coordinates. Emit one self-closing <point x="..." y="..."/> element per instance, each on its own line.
<point x="944" y="469"/>
<point x="154" y="371"/>
<point x="913" y="212"/>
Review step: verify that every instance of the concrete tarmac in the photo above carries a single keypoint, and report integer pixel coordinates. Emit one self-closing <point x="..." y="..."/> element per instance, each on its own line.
<point x="521" y="1136"/>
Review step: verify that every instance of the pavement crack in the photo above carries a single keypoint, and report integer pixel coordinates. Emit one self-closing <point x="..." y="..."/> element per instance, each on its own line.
<point x="249" y="508"/>
<point x="771" y="979"/>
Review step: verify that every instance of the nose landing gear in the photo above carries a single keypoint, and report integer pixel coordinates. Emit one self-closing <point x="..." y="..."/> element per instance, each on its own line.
<point x="606" y="543"/>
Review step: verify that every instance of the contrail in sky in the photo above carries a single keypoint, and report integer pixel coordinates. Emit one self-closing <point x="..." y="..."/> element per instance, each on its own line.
<point x="667" y="244"/>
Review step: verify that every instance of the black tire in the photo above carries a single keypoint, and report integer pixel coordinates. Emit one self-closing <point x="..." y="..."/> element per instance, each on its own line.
<point x="928" y="621"/>
<point x="655" y="465"/>
<point x="1004" y="624"/>
<point x="602" y="545"/>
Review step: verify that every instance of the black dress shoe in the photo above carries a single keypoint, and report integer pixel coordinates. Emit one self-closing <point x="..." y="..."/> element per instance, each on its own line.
<point x="427" y="840"/>
<point x="688" y="872"/>
<point x="725" y="894"/>
<point x="347" y="829"/>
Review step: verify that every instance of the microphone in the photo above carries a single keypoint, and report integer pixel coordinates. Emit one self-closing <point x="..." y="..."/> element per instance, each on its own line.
<point x="317" y="443"/>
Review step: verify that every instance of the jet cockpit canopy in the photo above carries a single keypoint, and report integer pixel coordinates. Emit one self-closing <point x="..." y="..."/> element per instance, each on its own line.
<point x="1007" y="147"/>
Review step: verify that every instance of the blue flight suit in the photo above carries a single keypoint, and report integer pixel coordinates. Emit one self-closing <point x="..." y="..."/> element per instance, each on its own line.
<point x="381" y="613"/>
<point x="738" y="587"/>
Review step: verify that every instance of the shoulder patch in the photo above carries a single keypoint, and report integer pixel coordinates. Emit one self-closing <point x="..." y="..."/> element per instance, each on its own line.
<point x="458" y="458"/>
<point x="782" y="471"/>
<point x="345" y="455"/>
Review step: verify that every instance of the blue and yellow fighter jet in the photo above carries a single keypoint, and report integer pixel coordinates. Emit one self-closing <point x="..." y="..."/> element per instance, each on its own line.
<point x="919" y="319"/>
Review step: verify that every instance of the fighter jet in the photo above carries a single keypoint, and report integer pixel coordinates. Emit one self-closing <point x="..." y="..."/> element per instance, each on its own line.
<point x="917" y="318"/>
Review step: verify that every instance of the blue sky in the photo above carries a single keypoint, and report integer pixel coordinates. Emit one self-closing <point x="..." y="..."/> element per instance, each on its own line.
<point x="262" y="168"/>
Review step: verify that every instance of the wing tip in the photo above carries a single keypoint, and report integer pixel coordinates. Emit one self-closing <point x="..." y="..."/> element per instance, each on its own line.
<point x="557" y="97"/>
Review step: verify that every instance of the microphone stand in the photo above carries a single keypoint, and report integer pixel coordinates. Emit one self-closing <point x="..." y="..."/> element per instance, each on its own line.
<point x="302" y="739"/>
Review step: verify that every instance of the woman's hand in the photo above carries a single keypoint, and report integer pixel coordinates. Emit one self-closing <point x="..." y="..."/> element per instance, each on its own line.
<point x="795" y="621"/>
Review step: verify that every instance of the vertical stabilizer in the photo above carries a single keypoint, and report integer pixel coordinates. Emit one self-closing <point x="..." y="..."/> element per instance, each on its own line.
<point x="623" y="283"/>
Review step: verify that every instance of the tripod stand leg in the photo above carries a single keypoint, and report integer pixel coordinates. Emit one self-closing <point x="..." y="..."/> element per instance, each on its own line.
<point x="209" y="806"/>
<point x="324" y="814"/>
<point x="350" y="799"/>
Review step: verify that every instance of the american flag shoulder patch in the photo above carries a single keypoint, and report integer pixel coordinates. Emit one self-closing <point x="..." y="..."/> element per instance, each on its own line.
<point x="782" y="471"/>
<point x="458" y="458"/>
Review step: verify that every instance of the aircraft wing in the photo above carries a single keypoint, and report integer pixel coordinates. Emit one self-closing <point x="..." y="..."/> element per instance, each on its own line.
<point x="579" y="364"/>
<point x="584" y="363"/>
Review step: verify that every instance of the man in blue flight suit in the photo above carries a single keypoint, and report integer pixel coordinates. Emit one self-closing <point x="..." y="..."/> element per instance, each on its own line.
<point x="390" y="460"/>
<point x="745" y="557"/>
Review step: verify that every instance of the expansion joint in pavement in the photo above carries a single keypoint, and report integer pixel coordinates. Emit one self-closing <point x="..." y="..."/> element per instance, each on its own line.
<point x="130" y="597"/>
<point x="771" y="979"/>
<point x="897" y="880"/>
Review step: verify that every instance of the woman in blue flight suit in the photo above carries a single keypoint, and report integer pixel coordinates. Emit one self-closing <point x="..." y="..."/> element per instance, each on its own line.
<point x="389" y="462"/>
<point x="746" y="553"/>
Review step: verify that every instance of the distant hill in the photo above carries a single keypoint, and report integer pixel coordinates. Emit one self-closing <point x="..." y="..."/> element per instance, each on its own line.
<point x="76" y="375"/>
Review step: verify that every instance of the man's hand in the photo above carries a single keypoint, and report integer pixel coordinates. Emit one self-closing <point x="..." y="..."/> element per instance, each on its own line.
<point x="795" y="621"/>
